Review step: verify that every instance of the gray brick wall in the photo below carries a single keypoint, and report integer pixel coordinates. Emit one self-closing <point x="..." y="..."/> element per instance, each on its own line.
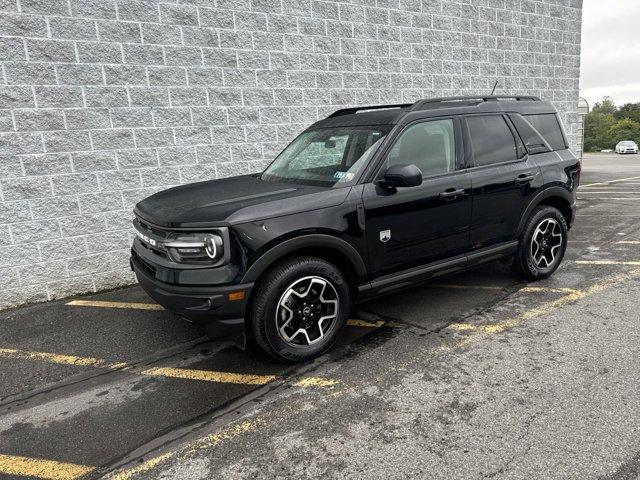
<point x="103" y="102"/>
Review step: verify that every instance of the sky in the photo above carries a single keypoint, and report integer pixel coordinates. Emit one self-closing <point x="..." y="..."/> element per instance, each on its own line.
<point x="610" y="50"/>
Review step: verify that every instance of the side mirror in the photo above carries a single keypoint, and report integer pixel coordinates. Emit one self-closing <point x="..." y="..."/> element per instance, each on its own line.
<point x="402" y="176"/>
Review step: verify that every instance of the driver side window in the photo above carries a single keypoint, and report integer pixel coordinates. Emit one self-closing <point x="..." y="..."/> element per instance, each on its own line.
<point x="430" y="146"/>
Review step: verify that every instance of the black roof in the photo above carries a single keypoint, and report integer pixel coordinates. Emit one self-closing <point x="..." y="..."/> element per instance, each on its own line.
<point x="436" y="107"/>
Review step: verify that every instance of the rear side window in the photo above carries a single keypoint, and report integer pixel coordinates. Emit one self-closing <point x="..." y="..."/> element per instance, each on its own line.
<point x="529" y="135"/>
<point x="549" y="127"/>
<point x="492" y="140"/>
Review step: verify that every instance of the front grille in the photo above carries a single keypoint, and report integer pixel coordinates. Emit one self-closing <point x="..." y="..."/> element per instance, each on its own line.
<point x="155" y="251"/>
<point x="153" y="233"/>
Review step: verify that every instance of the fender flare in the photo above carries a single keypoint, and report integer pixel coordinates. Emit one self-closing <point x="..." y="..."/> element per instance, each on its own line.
<point x="539" y="198"/>
<point x="305" y="241"/>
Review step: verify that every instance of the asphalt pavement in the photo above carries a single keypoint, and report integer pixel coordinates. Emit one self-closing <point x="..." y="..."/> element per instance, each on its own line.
<point x="478" y="375"/>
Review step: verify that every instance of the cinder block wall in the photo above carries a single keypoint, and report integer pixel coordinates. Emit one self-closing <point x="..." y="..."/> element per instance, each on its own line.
<point x="103" y="102"/>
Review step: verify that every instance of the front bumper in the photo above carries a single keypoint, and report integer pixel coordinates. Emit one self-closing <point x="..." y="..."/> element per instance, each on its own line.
<point x="208" y="306"/>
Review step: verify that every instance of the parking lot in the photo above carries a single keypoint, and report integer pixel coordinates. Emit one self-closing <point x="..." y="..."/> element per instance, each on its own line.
<point x="475" y="376"/>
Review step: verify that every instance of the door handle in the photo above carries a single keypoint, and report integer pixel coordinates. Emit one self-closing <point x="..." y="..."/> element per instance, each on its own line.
<point x="451" y="194"/>
<point x="524" y="178"/>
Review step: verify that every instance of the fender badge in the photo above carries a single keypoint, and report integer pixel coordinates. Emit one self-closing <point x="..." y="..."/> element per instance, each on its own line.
<point x="385" y="236"/>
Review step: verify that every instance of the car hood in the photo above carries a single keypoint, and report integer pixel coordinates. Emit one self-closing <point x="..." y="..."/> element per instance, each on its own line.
<point x="233" y="200"/>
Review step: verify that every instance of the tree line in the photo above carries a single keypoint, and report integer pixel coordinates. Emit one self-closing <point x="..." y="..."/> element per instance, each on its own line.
<point x="606" y="125"/>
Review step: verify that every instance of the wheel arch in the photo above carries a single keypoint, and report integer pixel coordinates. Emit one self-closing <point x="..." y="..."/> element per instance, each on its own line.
<point x="556" y="197"/>
<point x="332" y="249"/>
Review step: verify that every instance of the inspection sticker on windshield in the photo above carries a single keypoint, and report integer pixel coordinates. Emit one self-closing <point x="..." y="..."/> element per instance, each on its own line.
<point x="345" y="176"/>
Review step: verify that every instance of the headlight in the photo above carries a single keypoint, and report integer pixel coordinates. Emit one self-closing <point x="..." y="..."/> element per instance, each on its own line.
<point x="195" y="248"/>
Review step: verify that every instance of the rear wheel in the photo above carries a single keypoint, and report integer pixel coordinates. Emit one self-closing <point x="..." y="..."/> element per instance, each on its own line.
<point x="300" y="309"/>
<point x="542" y="244"/>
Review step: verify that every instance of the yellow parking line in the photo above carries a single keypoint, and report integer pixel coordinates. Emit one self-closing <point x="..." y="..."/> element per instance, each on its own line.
<point x="103" y="304"/>
<point x="608" y="262"/>
<point x="209" y="441"/>
<point x="609" y="182"/>
<point x="465" y="287"/>
<point x="532" y="313"/>
<point x="475" y="332"/>
<point x="209" y="376"/>
<point x="498" y="288"/>
<point x="39" y="468"/>
<point x="352" y="322"/>
<point x="462" y="327"/>
<point x="309" y="382"/>
<point x="614" y="198"/>
<point x="548" y="289"/>
<point x="60" y="358"/>
<point x="169" y="372"/>
<point x="356" y="322"/>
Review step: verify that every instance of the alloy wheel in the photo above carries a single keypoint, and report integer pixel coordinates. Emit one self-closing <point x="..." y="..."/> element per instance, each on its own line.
<point x="307" y="311"/>
<point x="546" y="243"/>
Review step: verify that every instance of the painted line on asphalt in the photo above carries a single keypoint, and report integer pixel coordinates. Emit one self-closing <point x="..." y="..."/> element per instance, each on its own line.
<point x="600" y="192"/>
<point x="466" y="287"/>
<point x="633" y="263"/>
<point x="103" y="304"/>
<point x="475" y="331"/>
<point x="499" y="288"/>
<point x="352" y="322"/>
<point x="609" y="182"/>
<point x="60" y="359"/>
<point x="612" y="198"/>
<point x="356" y="322"/>
<point x="204" y="443"/>
<point x="167" y="372"/>
<point x="565" y="290"/>
<point x="209" y="376"/>
<point x="40" y="468"/>
<point x="532" y="313"/>
<point x="629" y="242"/>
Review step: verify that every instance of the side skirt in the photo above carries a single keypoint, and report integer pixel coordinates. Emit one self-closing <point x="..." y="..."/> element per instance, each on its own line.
<point x="449" y="266"/>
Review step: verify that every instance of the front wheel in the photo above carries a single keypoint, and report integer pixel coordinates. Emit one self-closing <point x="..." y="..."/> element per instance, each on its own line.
<point x="300" y="309"/>
<point x="542" y="244"/>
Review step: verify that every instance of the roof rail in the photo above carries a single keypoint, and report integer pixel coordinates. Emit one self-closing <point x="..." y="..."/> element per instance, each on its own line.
<point x="484" y="98"/>
<point x="349" y="111"/>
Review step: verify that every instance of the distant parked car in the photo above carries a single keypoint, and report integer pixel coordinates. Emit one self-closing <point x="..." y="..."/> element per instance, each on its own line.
<point x="627" y="147"/>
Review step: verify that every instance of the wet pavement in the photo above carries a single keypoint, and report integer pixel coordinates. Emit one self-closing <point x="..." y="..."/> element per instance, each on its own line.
<point x="479" y="375"/>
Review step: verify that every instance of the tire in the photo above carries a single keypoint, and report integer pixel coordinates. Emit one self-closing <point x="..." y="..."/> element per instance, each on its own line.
<point x="305" y="293"/>
<point x="539" y="259"/>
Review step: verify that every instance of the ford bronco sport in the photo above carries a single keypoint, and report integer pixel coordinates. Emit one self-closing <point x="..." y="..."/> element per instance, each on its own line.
<point x="364" y="202"/>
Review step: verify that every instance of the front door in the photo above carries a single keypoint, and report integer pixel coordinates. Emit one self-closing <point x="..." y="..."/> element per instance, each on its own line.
<point x="413" y="226"/>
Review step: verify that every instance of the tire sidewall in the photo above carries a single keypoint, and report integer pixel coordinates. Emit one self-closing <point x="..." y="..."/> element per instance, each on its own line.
<point x="532" y="269"/>
<point x="274" y="291"/>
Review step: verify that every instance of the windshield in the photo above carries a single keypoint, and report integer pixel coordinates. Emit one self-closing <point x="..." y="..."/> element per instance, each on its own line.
<point x="628" y="144"/>
<point x="326" y="157"/>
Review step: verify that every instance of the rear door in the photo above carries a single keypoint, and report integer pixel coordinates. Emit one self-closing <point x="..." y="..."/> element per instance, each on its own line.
<point x="503" y="178"/>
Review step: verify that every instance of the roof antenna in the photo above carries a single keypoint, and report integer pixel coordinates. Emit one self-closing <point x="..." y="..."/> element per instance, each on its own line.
<point x="494" y="88"/>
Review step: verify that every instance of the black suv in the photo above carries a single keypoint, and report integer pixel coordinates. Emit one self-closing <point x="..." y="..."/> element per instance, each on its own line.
<point x="364" y="202"/>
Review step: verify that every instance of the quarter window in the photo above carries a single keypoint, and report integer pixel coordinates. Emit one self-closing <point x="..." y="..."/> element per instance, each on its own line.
<point x="430" y="146"/>
<point x="492" y="140"/>
<point x="549" y="127"/>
